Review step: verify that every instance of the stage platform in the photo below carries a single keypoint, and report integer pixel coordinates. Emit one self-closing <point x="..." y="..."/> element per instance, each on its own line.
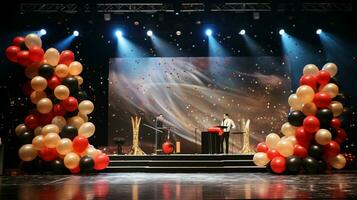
<point x="178" y="163"/>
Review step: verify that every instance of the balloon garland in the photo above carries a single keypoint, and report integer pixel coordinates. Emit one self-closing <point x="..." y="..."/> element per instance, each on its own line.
<point x="314" y="131"/>
<point x="57" y="130"/>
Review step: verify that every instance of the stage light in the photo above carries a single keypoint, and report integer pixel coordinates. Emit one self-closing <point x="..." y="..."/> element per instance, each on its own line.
<point x="318" y="31"/>
<point x="43" y="32"/>
<point x="281" y="31"/>
<point x="242" y="32"/>
<point x="75" y="33"/>
<point x="119" y="33"/>
<point x="208" y="32"/>
<point x="149" y="33"/>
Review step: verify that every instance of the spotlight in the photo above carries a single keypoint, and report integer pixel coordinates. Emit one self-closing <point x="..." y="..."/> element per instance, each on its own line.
<point x="149" y="33"/>
<point x="318" y="31"/>
<point x="208" y="32"/>
<point x="75" y="33"/>
<point x="281" y="31"/>
<point x="119" y="33"/>
<point x="242" y="32"/>
<point x="43" y="32"/>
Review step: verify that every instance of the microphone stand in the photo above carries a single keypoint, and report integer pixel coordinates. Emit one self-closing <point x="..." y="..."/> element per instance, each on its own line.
<point x="156" y="138"/>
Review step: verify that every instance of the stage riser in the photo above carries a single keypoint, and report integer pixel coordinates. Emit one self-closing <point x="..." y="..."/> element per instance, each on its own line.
<point x="182" y="157"/>
<point x="185" y="170"/>
<point x="180" y="163"/>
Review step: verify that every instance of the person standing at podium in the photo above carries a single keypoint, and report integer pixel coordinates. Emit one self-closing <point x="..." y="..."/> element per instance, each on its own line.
<point x="229" y="123"/>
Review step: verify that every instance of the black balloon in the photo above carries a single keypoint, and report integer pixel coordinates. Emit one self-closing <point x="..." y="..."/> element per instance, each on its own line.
<point x="69" y="132"/>
<point x="31" y="167"/>
<point x="26" y="137"/>
<point x="46" y="71"/>
<point x="57" y="166"/>
<point x="71" y="83"/>
<point x="322" y="166"/>
<point x="296" y="118"/>
<point x="310" y="165"/>
<point x="333" y="132"/>
<point x="71" y="114"/>
<point x="86" y="164"/>
<point x="81" y="95"/>
<point x="325" y="116"/>
<point x="293" y="164"/>
<point x="341" y="98"/>
<point x="316" y="151"/>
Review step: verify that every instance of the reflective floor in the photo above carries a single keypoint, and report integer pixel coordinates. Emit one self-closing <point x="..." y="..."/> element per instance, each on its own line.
<point x="179" y="186"/>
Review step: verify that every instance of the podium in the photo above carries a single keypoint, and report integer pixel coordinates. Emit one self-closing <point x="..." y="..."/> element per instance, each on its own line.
<point x="210" y="140"/>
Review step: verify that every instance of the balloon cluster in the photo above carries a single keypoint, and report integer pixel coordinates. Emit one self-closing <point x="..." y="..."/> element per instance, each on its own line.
<point x="57" y="130"/>
<point x="314" y="131"/>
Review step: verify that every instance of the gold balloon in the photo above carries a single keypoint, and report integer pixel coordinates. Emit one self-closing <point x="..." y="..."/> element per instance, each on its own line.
<point x="59" y="121"/>
<point x="44" y="105"/>
<point x="311" y="69"/>
<point x="86" y="107"/>
<point x="309" y="109"/>
<point x="89" y="151"/>
<point x="52" y="56"/>
<point x="38" y="83"/>
<point x="287" y="129"/>
<point x="305" y="94"/>
<point x="50" y="128"/>
<point x="27" y="152"/>
<point x="62" y="70"/>
<point x="37" y="96"/>
<point x="87" y="129"/>
<point x="38" y="130"/>
<point x="336" y="108"/>
<point x="272" y="140"/>
<point x="38" y="142"/>
<point x="79" y="79"/>
<point x="75" y="121"/>
<point x="61" y="92"/>
<point x="285" y="148"/>
<point x="260" y="159"/>
<point x="83" y="116"/>
<point x="331" y="68"/>
<point x="323" y="136"/>
<point x="294" y="102"/>
<point x="337" y="162"/>
<point x="75" y="68"/>
<point x="71" y="160"/>
<point x="52" y="140"/>
<point x="64" y="146"/>
<point x="292" y="140"/>
<point x="33" y="40"/>
<point x="32" y="70"/>
<point x="21" y="128"/>
<point x="331" y="89"/>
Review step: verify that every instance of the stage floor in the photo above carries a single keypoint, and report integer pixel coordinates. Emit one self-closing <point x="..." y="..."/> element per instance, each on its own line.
<point x="179" y="186"/>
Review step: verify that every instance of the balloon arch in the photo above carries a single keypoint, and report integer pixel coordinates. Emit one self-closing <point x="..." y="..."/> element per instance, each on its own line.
<point x="57" y="129"/>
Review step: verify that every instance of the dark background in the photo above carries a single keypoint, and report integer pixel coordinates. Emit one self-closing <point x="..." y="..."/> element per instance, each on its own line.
<point x="97" y="44"/>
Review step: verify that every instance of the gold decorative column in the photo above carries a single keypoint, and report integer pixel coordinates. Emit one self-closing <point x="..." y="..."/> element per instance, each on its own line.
<point x="246" y="143"/>
<point x="135" y="149"/>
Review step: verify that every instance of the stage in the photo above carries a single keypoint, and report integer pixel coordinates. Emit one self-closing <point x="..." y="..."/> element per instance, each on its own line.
<point x="179" y="163"/>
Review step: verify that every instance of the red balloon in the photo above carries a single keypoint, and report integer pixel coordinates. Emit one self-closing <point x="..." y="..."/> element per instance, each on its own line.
<point x="36" y="54"/>
<point x="11" y="53"/>
<point x="46" y="118"/>
<point x="272" y="153"/>
<point x="27" y="89"/>
<point x="323" y="77"/>
<point x="70" y="104"/>
<point x="262" y="147"/>
<point x="101" y="161"/>
<point x="341" y="135"/>
<point x="309" y="80"/>
<point x="75" y="170"/>
<point x="17" y="41"/>
<point x="32" y="121"/>
<point x="23" y="58"/>
<point x="79" y="144"/>
<point x="167" y="147"/>
<point x="58" y="109"/>
<point x="300" y="151"/>
<point x="336" y="123"/>
<point x="322" y="99"/>
<point x="331" y="149"/>
<point x="48" y="154"/>
<point x="278" y="164"/>
<point x="301" y="136"/>
<point x="53" y="82"/>
<point x="66" y="57"/>
<point x="311" y="124"/>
